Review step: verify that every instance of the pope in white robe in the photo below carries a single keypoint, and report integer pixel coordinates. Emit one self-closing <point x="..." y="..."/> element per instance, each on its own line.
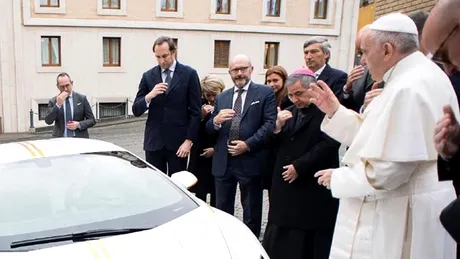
<point x="390" y="196"/>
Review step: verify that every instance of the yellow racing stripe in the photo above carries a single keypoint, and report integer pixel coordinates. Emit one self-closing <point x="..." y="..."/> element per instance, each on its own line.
<point x="92" y="249"/>
<point x="104" y="250"/>
<point x="39" y="151"/>
<point x="32" y="153"/>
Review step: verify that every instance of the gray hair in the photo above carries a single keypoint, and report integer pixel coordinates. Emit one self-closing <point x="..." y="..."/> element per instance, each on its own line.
<point x="325" y="45"/>
<point x="304" y="80"/>
<point x="405" y="43"/>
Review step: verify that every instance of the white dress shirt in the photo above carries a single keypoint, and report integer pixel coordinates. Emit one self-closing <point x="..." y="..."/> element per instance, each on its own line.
<point x="319" y="71"/>
<point x="243" y="95"/>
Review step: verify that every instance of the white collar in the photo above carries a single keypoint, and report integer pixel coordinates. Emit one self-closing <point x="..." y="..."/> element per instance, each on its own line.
<point x="319" y="71"/>
<point x="246" y="87"/>
<point x="171" y="68"/>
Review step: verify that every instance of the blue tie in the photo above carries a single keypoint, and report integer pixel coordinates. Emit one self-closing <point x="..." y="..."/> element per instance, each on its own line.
<point x="68" y="117"/>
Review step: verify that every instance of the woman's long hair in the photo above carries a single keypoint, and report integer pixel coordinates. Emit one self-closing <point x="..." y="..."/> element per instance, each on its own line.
<point x="279" y="70"/>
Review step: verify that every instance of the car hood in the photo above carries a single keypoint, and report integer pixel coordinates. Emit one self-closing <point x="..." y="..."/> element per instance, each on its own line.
<point x="197" y="234"/>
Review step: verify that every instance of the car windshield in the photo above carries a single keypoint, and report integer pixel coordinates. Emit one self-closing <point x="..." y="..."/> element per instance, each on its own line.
<point x="70" y="194"/>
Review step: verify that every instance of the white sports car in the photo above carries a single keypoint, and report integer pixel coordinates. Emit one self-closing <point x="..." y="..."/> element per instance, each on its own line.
<point x="81" y="198"/>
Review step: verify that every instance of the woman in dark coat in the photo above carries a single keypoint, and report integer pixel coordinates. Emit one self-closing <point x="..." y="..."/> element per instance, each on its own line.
<point x="202" y="151"/>
<point x="275" y="78"/>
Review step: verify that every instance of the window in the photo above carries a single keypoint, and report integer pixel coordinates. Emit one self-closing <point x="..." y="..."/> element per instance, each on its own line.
<point x="221" y="53"/>
<point x="111" y="49"/>
<point x="111" y="4"/>
<point x="169" y="5"/>
<point x="42" y="110"/>
<point x="321" y="9"/>
<point x="49" y="3"/>
<point x="112" y="109"/>
<point x="51" y="51"/>
<point x="223" y="6"/>
<point x="271" y="54"/>
<point x="273" y="7"/>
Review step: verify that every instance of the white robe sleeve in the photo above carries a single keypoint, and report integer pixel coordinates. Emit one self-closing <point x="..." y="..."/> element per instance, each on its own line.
<point x="343" y="126"/>
<point x="367" y="179"/>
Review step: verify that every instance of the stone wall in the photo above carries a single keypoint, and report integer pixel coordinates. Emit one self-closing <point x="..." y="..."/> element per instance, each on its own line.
<point x="383" y="7"/>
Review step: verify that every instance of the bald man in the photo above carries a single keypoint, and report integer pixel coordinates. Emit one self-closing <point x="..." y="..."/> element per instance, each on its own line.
<point x="241" y="118"/>
<point x="441" y="37"/>
<point x="359" y="80"/>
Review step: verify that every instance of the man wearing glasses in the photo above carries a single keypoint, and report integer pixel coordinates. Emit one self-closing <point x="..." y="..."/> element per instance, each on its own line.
<point x="241" y="118"/>
<point x="171" y="93"/>
<point x="69" y="111"/>
<point x="441" y="36"/>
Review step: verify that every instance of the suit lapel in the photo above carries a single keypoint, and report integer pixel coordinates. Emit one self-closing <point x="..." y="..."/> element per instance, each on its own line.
<point x="176" y="77"/>
<point x="324" y="76"/>
<point x="249" y="98"/>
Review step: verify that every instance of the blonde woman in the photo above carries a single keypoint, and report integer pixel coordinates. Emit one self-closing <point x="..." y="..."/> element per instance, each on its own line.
<point x="202" y="151"/>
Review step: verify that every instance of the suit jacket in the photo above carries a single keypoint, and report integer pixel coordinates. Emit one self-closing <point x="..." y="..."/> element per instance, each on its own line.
<point x="303" y="203"/>
<point x="82" y="113"/>
<point x="174" y="116"/>
<point x="335" y="79"/>
<point x="359" y="89"/>
<point x="258" y="116"/>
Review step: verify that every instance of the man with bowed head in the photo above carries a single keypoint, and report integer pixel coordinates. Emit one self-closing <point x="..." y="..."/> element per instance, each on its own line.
<point x="441" y="36"/>
<point x="302" y="213"/>
<point x="171" y="93"/>
<point x="389" y="193"/>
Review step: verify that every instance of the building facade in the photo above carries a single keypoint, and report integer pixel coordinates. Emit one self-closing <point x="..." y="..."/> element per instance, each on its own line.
<point x="106" y="45"/>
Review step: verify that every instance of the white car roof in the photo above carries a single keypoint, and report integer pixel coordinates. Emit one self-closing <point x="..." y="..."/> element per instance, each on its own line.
<point x="26" y="150"/>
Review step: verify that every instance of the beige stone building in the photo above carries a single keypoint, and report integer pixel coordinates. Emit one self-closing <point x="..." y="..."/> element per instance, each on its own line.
<point x="383" y="7"/>
<point x="106" y="45"/>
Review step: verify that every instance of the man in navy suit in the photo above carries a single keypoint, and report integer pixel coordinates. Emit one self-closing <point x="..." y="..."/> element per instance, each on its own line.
<point x="241" y="118"/>
<point x="170" y="92"/>
<point x="317" y="53"/>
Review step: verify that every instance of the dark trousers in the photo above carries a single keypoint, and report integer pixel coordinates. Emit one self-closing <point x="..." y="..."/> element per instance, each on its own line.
<point x="250" y="190"/>
<point x="166" y="160"/>
<point x="450" y="219"/>
<point x="284" y="242"/>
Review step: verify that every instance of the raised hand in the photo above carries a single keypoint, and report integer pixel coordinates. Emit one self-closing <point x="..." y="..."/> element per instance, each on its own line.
<point x="324" y="98"/>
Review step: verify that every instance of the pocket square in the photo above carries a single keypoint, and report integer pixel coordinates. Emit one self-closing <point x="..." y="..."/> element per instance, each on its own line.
<point x="78" y="104"/>
<point x="255" y="102"/>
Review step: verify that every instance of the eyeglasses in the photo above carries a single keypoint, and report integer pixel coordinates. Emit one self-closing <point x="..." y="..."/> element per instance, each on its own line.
<point x="65" y="86"/>
<point x="441" y="56"/>
<point x="237" y="69"/>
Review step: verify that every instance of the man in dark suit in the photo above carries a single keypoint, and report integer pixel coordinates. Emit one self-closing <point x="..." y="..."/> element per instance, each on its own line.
<point x="242" y="115"/>
<point x="317" y="53"/>
<point x="441" y="36"/>
<point x="170" y="92"/>
<point x="302" y="215"/>
<point x="69" y="111"/>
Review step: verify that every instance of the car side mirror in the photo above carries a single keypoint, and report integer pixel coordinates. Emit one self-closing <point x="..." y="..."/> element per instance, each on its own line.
<point x="184" y="179"/>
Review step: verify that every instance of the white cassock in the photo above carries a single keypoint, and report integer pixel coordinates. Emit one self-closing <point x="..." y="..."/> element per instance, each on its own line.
<point x="390" y="196"/>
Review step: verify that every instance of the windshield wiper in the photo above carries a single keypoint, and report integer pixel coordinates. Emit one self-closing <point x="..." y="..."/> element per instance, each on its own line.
<point x="75" y="237"/>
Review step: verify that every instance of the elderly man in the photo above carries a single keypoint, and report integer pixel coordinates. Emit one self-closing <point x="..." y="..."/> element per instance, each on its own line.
<point x="389" y="192"/>
<point x="441" y="36"/>
<point x="360" y="88"/>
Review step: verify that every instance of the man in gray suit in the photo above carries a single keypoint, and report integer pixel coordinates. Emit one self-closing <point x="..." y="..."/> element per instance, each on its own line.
<point x="69" y="111"/>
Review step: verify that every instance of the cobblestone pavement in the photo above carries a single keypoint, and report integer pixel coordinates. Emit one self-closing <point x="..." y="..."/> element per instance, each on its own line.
<point x="130" y="136"/>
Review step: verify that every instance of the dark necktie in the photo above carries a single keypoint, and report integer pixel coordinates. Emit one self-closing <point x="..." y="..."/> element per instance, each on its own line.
<point x="235" y="126"/>
<point x="68" y="117"/>
<point x="167" y="78"/>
